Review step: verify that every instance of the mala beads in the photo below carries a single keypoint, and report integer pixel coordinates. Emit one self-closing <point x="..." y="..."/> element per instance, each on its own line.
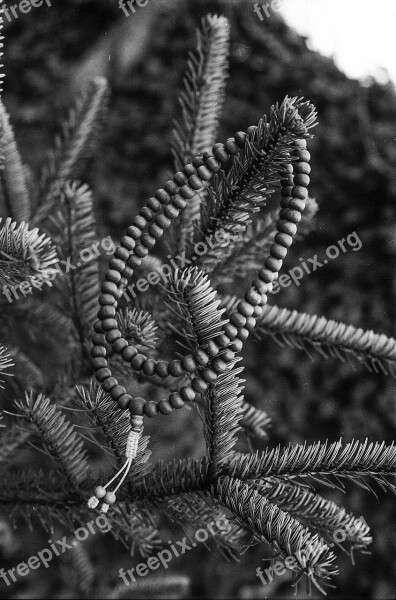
<point x="206" y="364"/>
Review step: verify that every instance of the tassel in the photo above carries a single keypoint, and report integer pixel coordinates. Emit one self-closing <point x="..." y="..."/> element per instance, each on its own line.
<point x="130" y="453"/>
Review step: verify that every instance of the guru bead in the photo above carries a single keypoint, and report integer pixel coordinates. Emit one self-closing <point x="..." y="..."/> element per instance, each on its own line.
<point x="136" y="405"/>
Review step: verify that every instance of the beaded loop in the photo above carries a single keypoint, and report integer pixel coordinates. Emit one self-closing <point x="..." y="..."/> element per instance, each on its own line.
<point x="206" y="364"/>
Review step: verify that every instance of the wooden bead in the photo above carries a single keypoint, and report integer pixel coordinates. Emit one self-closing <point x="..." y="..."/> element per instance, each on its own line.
<point x="138" y="361"/>
<point x="180" y="179"/>
<point x="186" y="192"/>
<point x="106" y="299"/>
<point x="171" y="187"/>
<point x="123" y="401"/>
<point x="304" y="156"/>
<point x="294" y="216"/>
<point x="149" y="366"/>
<point x="113" y="275"/>
<point x="117" y="391"/>
<point x="102" y="374"/>
<point x="176" y="400"/>
<point x="134" y="261"/>
<point x="121" y="253"/>
<point x="300" y="143"/>
<point x="134" y="232"/>
<point x="151" y="409"/>
<point x="212" y="348"/>
<point x="128" y="353"/>
<point x="223" y="340"/>
<point x="222" y="156"/>
<point x="287" y="169"/>
<point x="302" y="167"/>
<point x="258" y="310"/>
<point x="98" y="339"/>
<point x="287" y="227"/>
<point x="117" y="264"/>
<point x="108" y="287"/>
<point x="212" y="164"/>
<point x="199" y="385"/>
<point x="148" y="240"/>
<point x="162" y="195"/>
<point x="238" y="320"/>
<point x="251" y="130"/>
<point x="110" y="498"/>
<point x="113" y="335"/>
<point x="97" y="351"/>
<point x="120" y="345"/>
<point x="259" y="285"/>
<point x="109" y="383"/>
<point x="228" y="355"/>
<point x="109" y="324"/>
<point x="231" y="146"/>
<point x="154" y="204"/>
<point x="136" y="422"/>
<point x="162" y="221"/>
<point x="240" y="138"/>
<point x="136" y="406"/>
<point x="147" y="213"/>
<point x="198" y="161"/>
<point x="243" y="334"/>
<point x="141" y="251"/>
<point x="219" y="365"/>
<point x="284" y="239"/>
<point x="273" y="264"/>
<point x="187" y="393"/>
<point x="297" y="204"/>
<point x="128" y="242"/>
<point x="209" y="375"/>
<point x="155" y="230"/>
<point x="176" y="368"/>
<point x="278" y="251"/>
<point x="171" y="211"/>
<point x="299" y="192"/>
<point x="250" y="323"/>
<point x="204" y="173"/>
<point x="301" y="179"/>
<point x="179" y="202"/>
<point x="162" y="368"/>
<point x="98" y="362"/>
<point x="253" y="297"/>
<point x="189" y="170"/>
<point x="189" y="364"/>
<point x="286" y="191"/>
<point x="245" y="309"/>
<point x="106" y="311"/>
<point x="201" y="357"/>
<point x="236" y="345"/>
<point x="230" y="331"/>
<point x="195" y="182"/>
<point x="165" y="407"/>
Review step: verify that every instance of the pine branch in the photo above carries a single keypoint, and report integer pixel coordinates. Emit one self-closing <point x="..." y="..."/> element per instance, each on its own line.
<point x="25" y="255"/>
<point x="63" y="444"/>
<point x="322" y="462"/>
<point x="76" y="224"/>
<point x="285" y="535"/>
<point x="75" y="147"/>
<point x="318" y="513"/>
<point x="201" y="103"/>
<point x="14" y="194"/>
<point x="254" y="173"/>
<point x="330" y="338"/>
<point x="6" y="363"/>
<point x="255" y="421"/>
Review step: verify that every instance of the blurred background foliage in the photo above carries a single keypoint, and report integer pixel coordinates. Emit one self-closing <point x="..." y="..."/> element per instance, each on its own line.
<point x="50" y="53"/>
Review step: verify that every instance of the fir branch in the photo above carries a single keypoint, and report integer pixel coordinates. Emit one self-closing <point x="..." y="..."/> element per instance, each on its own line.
<point x="11" y="442"/>
<point x="14" y="194"/>
<point x="6" y="363"/>
<point x="133" y="527"/>
<point x="174" y="478"/>
<point x="285" y="535"/>
<point x="322" y="462"/>
<point x="63" y="444"/>
<point x="76" y="221"/>
<point x="75" y="147"/>
<point x="25" y="255"/>
<point x="201" y="104"/>
<point x="318" y="513"/>
<point x="255" y="421"/>
<point x="330" y="338"/>
<point x="254" y="173"/>
<point x="138" y="327"/>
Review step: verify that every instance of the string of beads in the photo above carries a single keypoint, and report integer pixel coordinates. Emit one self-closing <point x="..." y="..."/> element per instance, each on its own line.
<point x="206" y="364"/>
